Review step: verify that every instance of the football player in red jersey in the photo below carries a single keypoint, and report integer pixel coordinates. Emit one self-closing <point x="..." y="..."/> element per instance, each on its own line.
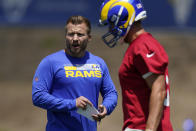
<point x="143" y="73"/>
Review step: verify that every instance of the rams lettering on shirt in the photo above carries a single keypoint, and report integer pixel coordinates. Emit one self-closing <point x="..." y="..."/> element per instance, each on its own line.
<point x="85" y="70"/>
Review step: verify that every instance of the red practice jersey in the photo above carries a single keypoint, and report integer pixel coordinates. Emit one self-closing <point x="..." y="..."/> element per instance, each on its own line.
<point x="143" y="57"/>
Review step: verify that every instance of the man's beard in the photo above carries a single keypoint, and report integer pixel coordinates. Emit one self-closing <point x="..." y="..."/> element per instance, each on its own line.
<point x="76" y="52"/>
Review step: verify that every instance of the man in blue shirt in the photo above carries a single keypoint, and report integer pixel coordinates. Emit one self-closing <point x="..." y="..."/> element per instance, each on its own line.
<point x="72" y="78"/>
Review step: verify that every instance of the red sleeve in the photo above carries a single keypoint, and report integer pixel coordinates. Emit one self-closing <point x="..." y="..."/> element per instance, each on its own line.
<point x="150" y="57"/>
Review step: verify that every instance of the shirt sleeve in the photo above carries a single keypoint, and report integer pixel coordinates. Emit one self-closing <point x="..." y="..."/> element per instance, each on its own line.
<point x="108" y="91"/>
<point x="148" y="60"/>
<point x="41" y="86"/>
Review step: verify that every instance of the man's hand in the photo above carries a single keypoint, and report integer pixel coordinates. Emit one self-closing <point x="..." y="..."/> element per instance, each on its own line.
<point x="102" y="113"/>
<point x="81" y="102"/>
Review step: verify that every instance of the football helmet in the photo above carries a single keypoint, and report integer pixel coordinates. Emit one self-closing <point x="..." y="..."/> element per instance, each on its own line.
<point x="119" y="15"/>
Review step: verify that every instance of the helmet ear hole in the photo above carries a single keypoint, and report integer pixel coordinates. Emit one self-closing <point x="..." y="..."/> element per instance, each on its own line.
<point x="113" y="18"/>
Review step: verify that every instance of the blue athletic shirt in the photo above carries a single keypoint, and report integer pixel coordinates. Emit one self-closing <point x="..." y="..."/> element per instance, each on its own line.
<point x="60" y="79"/>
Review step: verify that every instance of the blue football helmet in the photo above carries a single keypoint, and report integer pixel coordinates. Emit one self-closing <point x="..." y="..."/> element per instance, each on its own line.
<point x="120" y="15"/>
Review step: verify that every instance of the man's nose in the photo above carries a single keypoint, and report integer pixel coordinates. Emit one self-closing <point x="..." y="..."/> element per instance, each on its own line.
<point x="75" y="37"/>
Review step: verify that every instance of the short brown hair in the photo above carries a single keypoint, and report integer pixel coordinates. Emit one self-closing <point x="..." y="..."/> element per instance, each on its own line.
<point x="79" y="20"/>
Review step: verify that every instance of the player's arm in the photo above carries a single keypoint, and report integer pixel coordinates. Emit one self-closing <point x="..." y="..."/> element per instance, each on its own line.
<point x="109" y="94"/>
<point x="41" y="86"/>
<point x="158" y="93"/>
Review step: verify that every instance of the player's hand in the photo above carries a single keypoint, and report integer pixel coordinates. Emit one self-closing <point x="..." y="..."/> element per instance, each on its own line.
<point x="102" y="113"/>
<point x="81" y="102"/>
